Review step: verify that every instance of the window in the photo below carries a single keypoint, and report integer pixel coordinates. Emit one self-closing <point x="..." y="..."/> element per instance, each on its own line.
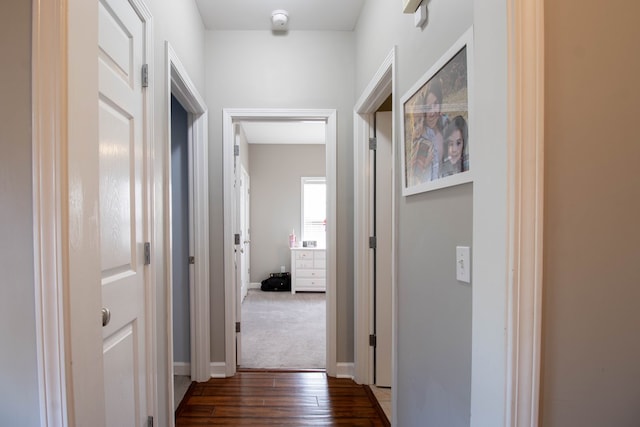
<point x="314" y="210"/>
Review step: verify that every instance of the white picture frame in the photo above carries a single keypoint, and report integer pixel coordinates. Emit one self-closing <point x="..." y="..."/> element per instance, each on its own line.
<point x="429" y="126"/>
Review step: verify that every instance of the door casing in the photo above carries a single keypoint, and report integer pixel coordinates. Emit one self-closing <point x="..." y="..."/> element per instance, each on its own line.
<point x="380" y="87"/>
<point x="179" y="84"/>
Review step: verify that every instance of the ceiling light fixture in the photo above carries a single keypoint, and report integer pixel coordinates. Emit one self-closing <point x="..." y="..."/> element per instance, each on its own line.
<point x="279" y="20"/>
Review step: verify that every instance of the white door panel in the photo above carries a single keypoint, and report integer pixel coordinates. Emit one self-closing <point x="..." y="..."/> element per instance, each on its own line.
<point x="122" y="210"/>
<point x="120" y="389"/>
<point x="244" y="231"/>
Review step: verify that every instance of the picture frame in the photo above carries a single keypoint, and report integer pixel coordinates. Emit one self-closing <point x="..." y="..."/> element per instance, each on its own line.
<point x="437" y="123"/>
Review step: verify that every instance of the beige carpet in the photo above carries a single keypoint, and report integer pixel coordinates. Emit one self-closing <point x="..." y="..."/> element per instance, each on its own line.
<point x="281" y="330"/>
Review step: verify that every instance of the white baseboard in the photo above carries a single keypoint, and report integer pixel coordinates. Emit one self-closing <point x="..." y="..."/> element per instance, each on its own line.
<point x="255" y="285"/>
<point x="345" y="370"/>
<point x="181" y="368"/>
<point x="218" y="369"/>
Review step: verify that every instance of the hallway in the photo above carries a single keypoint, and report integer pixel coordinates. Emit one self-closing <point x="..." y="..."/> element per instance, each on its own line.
<point x="279" y="398"/>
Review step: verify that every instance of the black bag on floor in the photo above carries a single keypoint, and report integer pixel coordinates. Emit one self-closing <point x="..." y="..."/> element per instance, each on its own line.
<point x="277" y="282"/>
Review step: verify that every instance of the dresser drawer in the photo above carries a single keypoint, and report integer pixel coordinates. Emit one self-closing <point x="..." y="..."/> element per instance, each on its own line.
<point x="311" y="284"/>
<point x="320" y="255"/>
<point x="304" y="274"/>
<point x="304" y="254"/>
<point x="304" y="263"/>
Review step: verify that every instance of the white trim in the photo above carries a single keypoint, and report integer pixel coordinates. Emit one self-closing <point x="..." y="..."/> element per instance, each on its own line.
<point x="150" y="281"/>
<point x="181" y="368"/>
<point x="218" y="369"/>
<point x="228" y="117"/>
<point x="345" y="370"/>
<point x="525" y="221"/>
<point x="255" y="285"/>
<point x="49" y="110"/>
<point x="379" y="88"/>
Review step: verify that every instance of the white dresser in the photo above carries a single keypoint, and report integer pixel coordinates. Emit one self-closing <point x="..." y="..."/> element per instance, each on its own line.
<point x="308" y="270"/>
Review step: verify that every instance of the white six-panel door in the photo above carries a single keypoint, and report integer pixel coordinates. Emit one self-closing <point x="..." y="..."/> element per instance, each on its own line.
<point x="122" y="211"/>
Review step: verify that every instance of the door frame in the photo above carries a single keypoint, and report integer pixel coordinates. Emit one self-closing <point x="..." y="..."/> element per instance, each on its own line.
<point x="229" y="116"/>
<point x="379" y="88"/>
<point x="525" y="53"/>
<point x="49" y="88"/>
<point x="179" y="84"/>
<point x="66" y="254"/>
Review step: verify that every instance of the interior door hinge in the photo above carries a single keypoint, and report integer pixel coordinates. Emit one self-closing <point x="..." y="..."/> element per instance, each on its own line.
<point x="372" y="340"/>
<point x="147" y="253"/>
<point x="145" y="75"/>
<point x="149" y="421"/>
<point x="373" y="242"/>
<point x="236" y="150"/>
<point x="373" y="143"/>
<point x="237" y="327"/>
<point x="192" y="260"/>
<point x="236" y="238"/>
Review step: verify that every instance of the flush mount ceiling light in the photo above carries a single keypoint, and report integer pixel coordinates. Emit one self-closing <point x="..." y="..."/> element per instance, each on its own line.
<point x="279" y="20"/>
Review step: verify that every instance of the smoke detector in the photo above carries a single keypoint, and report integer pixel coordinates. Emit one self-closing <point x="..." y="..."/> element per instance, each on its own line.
<point x="279" y="20"/>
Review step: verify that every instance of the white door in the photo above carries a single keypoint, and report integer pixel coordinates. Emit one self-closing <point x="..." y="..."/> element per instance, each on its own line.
<point x="122" y="211"/>
<point x="245" y="215"/>
<point x="238" y="246"/>
<point x="384" y="204"/>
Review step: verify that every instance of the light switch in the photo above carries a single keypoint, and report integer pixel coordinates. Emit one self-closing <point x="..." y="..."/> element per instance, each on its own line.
<point x="463" y="264"/>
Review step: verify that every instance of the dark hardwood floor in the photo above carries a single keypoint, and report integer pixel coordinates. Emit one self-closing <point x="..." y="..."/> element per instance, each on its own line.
<point x="279" y="398"/>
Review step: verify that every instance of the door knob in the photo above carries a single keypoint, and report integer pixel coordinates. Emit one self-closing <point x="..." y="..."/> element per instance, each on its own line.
<point x="106" y="317"/>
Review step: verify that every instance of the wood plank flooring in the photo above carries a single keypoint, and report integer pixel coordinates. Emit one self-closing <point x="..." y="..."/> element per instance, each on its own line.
<point x="279" y="398"/>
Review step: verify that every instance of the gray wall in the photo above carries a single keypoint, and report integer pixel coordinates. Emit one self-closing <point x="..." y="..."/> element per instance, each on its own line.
<point x="19" y="400"/>
<point x="180" y="231"/>
<point x="305" y="69"/>
<point x="275" y="201"/>
<point x="434" y="310"/>
<point x="591" y="342"/>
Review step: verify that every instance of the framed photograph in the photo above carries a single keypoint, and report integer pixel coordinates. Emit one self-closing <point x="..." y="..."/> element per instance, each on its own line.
<point x="437" y="126"/>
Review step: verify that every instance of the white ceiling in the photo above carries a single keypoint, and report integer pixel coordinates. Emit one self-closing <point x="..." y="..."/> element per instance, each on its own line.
<point x="284" y="132"/>
<point x="306" y="15"/>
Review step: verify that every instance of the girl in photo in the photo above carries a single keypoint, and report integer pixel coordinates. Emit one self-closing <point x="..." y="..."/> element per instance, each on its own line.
<point x="455" y="139"/>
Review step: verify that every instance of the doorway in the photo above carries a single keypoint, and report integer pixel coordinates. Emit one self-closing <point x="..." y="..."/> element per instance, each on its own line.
<point x="181" y="244"/>
<point x="188" y="247"/>
<point x="283" y="329"/>
<point x="380" y="220"/>
<point x="232" y="313"/>
<point x="375" y="310"/>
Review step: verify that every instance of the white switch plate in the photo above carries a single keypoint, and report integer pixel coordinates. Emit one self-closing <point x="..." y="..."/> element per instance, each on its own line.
<point x="463" y="264"/>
